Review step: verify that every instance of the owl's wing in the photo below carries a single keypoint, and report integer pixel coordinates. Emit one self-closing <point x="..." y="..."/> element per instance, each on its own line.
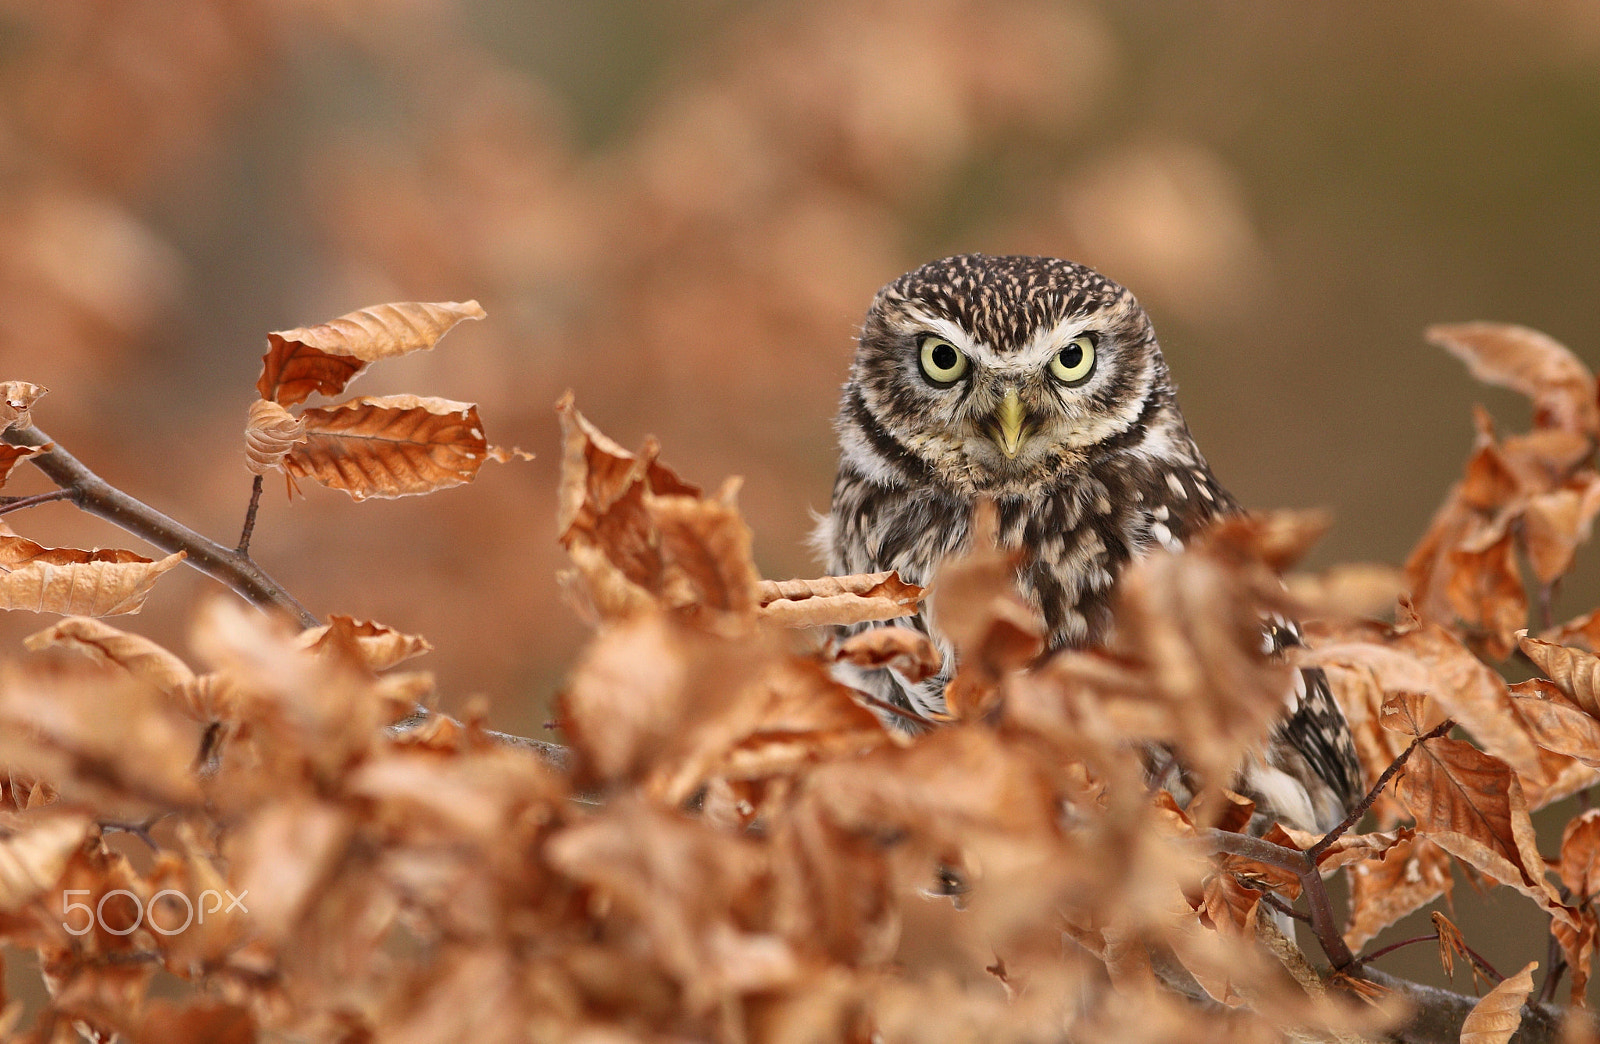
<point x="1312" y="742"/>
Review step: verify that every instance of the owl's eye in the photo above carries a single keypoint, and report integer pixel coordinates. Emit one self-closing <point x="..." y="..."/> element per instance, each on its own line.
<point x="942" y="362"/>
<point x="1074" y="363"/>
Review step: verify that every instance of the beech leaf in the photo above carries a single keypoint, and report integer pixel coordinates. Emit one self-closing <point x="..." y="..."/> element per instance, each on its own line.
<point x="327" y="357"/>
<point x="11" y="455"/>
<point x="33" y="858"/>
<point x="838" y="600"/>
<point x="269" y="434"/>
<point x="1577" y="672"/>
<point x="390" y="446"/>
<point x="1407" y="876"/>
<point x="1498" y="1014"/>
<point x="16" y="398"/>
<point x="378" y="647"/>
<point x="907" y="651"/>
<point x="73" y="582"/>
<point x="1535" y="364"/>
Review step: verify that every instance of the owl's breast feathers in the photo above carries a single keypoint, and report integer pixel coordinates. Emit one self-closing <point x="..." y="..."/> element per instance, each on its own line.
<point x="1147" y="489"/>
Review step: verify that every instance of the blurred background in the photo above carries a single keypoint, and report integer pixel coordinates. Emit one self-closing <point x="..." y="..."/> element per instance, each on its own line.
<point x="681" y="208"/>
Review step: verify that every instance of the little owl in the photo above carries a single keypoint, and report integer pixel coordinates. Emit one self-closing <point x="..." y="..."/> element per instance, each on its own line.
<point x="1038" y="383"/>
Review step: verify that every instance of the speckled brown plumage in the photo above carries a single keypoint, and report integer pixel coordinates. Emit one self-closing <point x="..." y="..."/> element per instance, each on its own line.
<point x="1086" y="474"/>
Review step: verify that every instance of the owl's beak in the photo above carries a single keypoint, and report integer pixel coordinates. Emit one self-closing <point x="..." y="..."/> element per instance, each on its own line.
<point x="1008" y="423"/>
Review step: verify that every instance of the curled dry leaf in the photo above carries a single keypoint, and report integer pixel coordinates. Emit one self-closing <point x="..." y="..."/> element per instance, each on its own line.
<point x="16" y="399"/>
<point x="641" y="537"/>
<point x="205" y="698"/>
<point x="898" y="648"/>
<point x="837" y="600"/>
<point x="1369" y="663"/>
<point x="269" y="434"/>
<point x="390" y="446"/>
<point x="34" y="855"/>
<point x="137" y="655"/>
<point x="1577" y="672"/>
<point x="1556" y="523"/>
<point x="1561" y="386"/>
<point x="1496" y="1017"/>
<point x="979" y="609"/>
<point x="76" y="583"/>
<point x="377" y="646"/>
<point x="1580" y="631"/>
<point x="1409" y="875"/>
<point x="328" y="357"/>
<point x="1536" y="492"/>
<point x="1579" y="865"/>
<point x="1472" y="805"/>
<point x="1556" y="723"/>
<point x="1349" y="848"/>
<point x="1356" y="589"/>
<point x="11" y="455"/>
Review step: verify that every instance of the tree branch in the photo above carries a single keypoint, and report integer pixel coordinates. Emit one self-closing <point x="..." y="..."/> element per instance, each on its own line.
<point x="96" y="496"/>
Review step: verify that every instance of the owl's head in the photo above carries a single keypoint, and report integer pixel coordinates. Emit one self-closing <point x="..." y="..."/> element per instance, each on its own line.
<point x="998" y="373"/>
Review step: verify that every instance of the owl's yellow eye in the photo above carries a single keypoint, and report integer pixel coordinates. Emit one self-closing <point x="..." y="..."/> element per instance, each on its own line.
<point x="942" y="362"/>
<point x="1074" y="363"/>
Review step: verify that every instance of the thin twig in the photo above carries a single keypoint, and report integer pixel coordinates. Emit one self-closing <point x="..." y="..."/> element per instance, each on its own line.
<point x="1556" y="961"/>
<point x="1375" y="954"/>
<point x="10" y="504"/>
<point x="250" y="517"/>
<point x="1278" y="903"/>
<point x="95" y="495"/>
<point x="1316" y="850"/>
<point x="1483" y="965"/>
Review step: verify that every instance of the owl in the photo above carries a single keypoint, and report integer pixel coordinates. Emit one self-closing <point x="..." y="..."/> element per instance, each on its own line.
<point x="1038" y="384"/>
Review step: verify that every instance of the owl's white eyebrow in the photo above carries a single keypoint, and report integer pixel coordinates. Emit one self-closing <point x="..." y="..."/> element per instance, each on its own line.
<point x="1035" y="353"/>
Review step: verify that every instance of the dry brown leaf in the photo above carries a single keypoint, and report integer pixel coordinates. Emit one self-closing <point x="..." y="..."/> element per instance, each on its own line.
<point x="76" y="583"/>
<point x="270" y="433"/>
<point x="1229" y="906"/>
<point x="1369" y="662"/>
<point x="10" y="456"/>
<point x="837" y="600"/>
<point x="706" y="550"/>
<point x="642" y="538"/>
<point x="1582" y="632"/>
<point x="979" y="609"/>
<point x="390" y="446"/>
<point x="33" y="857"/>
<point x="1577" y="672"/>
<point x="1496" y="1017"/>
<point x="1556" y="523"/>
<point x="1561" y="386"/>
<point x="328" y="357"/>
<point x="899" y="648"/>
<point x="16" y="399"/>
<point x="378" y="647"/>
<point x="1407" y="876"/>
<point x="1579" y="865"/>
<point x="1472" y="805"/>
<point x="1355" y="589"/>
<point x="1485" y="591"/>
<point x="137" y="655"/>
<point x="1349" y="848"/>
<point x="1555" y="722"/>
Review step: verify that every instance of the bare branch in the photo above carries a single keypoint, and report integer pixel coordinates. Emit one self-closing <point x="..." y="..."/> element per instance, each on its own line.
<point x="93" y="494"/>
<point x="10" y="504"/>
